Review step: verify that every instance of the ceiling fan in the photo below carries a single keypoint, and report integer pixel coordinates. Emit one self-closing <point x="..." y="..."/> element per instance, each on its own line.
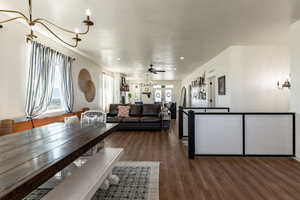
<point x="154" y="71"/>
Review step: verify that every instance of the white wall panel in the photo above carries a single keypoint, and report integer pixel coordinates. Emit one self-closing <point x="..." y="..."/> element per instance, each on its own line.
<point x="218" y="134"/>
<point x="269" y="134"/>
<point x="185" y="125"/>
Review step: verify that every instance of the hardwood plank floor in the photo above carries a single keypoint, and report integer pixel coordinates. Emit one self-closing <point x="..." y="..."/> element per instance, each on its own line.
<point x="209" y="178"/>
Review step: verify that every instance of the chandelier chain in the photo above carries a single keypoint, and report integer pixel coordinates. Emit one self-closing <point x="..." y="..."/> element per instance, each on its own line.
<point x="44" y="23"/>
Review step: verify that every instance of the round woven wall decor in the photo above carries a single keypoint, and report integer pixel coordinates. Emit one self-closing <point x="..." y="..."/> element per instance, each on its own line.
<point x="86" y="85"/>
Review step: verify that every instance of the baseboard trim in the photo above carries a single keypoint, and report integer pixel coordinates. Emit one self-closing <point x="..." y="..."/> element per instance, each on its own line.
<point x="297" y="159"/>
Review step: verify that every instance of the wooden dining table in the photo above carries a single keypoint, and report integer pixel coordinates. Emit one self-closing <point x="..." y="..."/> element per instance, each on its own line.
<point x="30" y="158"/>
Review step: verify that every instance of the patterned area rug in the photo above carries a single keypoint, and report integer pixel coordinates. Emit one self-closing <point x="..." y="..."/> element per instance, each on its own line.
<point x="138" y="181"/>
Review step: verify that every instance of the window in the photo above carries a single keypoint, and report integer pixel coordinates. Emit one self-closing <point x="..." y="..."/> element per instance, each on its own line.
<point x="163" y="93"/>
<point x="157" y="96"/>
<point x="56" y="102"/>
<point x="168" y="95"/>
<point x="108" y="92"/>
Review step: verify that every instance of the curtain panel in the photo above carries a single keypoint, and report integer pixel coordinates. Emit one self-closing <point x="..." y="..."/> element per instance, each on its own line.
<point x="67" y="89"/>
<point x="40" y="83"/>
<point x="108" y="92"/>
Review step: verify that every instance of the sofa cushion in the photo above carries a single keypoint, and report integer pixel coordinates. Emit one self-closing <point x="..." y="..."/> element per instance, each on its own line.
<point x="150" y="119"/>
<point x="151" y="109"/>
<point x="113" y="109"/>
<point x="135" y="110"/>
<point x="123" y="111"/>
<point x="131" y="119"/>
<point x="114" y="120"/>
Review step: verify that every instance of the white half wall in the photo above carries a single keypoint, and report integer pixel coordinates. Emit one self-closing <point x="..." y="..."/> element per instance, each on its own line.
<point x="14" y="70"/>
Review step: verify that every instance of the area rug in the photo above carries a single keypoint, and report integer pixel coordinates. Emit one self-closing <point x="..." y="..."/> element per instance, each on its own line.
<point x="138" y="181"/>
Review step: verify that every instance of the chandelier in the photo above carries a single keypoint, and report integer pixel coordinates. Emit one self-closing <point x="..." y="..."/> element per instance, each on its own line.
<point x="46" y="24"/>
<point x="147" y="82"/>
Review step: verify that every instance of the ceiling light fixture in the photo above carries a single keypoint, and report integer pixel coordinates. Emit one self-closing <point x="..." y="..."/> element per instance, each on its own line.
<point x="46" y="24"/>
<point x="118" y="59"/>
<point x="181" y="58"/>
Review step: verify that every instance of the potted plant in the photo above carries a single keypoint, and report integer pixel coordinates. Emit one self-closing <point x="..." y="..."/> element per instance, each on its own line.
<point x="129" y="97"/>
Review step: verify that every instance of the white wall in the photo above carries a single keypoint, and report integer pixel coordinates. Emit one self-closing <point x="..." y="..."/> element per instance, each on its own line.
<point x="251" y="76"/>
<point x="295" y="80"/>
<point x="13" y="71"/>
<point x="256" y="70"/>
<point x="218" y="66"/>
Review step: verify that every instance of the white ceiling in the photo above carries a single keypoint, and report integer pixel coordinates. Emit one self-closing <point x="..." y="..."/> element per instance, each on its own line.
<point x="141" y="32"/>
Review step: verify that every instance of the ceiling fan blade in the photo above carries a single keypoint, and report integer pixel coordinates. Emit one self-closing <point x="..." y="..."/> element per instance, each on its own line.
<point x="160" y="71"/>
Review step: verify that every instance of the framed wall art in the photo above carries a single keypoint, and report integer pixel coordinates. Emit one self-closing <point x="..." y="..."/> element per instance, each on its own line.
<point x="222" y="85"/>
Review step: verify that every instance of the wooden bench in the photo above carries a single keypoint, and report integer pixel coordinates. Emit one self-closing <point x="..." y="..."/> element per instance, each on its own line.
<point x="85" y="181"/>
<point x="6" y="127"/>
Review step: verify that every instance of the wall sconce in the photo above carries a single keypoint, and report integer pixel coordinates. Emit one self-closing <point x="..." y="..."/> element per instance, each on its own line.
<point x="285" y="84"/>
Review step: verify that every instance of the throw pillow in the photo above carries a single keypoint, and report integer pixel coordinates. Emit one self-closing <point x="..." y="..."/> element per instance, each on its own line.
<point x="123" y="111"/>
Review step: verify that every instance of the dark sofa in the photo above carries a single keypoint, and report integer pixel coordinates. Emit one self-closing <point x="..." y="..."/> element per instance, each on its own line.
<point x="141" y="117"/>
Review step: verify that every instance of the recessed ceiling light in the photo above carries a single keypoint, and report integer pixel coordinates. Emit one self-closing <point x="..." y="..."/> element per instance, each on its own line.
<point x="181" y="58"/>
<point x="118" y="59"/>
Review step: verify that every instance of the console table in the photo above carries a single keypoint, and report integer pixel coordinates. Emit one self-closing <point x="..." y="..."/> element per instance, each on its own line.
<point x="30" y="158"/>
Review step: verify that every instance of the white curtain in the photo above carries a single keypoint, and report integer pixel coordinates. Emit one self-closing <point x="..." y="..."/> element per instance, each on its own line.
<point x="117" y="83"/>
<point x="67" y="90"/>
<point x="40" y="80"/>
<point x="40" y="83"/>
<point x="108" y="92"/>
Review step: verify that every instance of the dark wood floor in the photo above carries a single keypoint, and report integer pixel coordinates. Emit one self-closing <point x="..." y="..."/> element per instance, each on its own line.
<point x="209" y="178"/>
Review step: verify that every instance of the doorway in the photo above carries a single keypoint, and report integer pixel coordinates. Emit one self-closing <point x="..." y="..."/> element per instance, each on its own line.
<point x="163" y="93"/>
<point x="212" y="91"/>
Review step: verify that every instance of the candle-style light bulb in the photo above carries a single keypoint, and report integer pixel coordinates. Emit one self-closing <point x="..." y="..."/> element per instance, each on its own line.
<point x="76" y="30"/>
<point x="32" y="28"/>
<point x="88" y="12"/>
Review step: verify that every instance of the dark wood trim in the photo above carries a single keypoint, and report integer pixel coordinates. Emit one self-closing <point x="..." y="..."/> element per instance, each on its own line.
<point x="244" y="113"/>
<point x="240" y="155"/>
<point x="219" y="155"/>
<point x="191" y="134"/>
<point x="244" y="134"/>
<point x="208" y="108"/>
<point x="185" y="112"/>
<point x="180" y="123"/>
<point x="294" y="134"/>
